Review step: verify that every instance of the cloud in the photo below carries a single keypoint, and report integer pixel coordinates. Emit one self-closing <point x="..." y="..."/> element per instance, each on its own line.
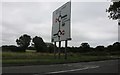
<point x="89" y="22"/>
<point x="26" y="17"/>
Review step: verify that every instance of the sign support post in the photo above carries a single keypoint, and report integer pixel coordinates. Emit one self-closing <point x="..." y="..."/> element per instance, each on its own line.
<point x="55" y="50"/>
<point x="66" y="49"/>
<point x="59" y="49"/>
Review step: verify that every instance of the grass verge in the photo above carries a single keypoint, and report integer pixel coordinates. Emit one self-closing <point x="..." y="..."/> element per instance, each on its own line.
<point x="12" y="58"/>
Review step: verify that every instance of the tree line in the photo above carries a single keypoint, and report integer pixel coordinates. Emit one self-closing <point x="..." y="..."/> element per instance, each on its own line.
<point x="39" y="45"/>
<point x="23" y="43"/>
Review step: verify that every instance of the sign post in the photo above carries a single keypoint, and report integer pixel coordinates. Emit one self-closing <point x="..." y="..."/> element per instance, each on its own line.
<point x="59" y="51"/>
<point x="61" y="26"/>
<point x="66" y="49"/>
<point x="55" y="50"/>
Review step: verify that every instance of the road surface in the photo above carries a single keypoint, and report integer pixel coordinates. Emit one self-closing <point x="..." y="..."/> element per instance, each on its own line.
<point x="108" y="66"/>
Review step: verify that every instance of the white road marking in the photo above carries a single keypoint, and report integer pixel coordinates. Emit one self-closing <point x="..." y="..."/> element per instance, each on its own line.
<point x="74" y="70"/>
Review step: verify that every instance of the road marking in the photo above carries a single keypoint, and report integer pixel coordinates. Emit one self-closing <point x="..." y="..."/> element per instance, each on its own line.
<point x="74" y="70"/>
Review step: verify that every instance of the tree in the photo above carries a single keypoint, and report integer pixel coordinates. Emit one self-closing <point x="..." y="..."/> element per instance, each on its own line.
<point x="114" y="11"/>
<point x="85" y="47"/>
<point x="100" y="48"/>
<point x="39" y="44"/>
<point x="109" y="48"/>
<point x="116" y="46"/>
<point x="11" y="48"/>
<point x="23" y="42"/>
<point x="50" y="47"/>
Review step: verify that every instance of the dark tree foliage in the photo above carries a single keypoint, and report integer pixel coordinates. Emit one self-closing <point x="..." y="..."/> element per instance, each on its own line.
<point x="109" y="48"/>
<point x="114" y="10"/>
<point x="50" y="47"/>
<point x="116" y="46"/>
<point x="85" y="47"/>
<point x="100" y="48"/>
<point x="23" y="42"/>
<point x="10" y="48"/>
<point x="39" y="44"/>
<point x="31" y="48"/>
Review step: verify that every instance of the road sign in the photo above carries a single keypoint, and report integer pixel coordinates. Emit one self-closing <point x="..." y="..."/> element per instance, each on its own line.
<point x="61" y="23"/>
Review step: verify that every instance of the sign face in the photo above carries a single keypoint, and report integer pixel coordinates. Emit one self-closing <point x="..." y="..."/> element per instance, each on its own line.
<point x="61" y="23"/>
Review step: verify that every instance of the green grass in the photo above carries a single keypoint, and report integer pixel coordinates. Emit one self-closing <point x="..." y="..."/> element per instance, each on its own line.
<point x="48" y="58"/>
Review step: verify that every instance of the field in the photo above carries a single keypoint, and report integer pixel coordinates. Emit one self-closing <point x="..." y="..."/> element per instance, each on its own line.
<point x="32" y="58"/>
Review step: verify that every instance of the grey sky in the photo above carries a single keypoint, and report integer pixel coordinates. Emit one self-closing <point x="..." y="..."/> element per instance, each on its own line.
<point x="89" y="22"/>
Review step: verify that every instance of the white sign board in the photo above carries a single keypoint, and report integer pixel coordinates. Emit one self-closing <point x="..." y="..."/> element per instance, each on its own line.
<point x="61" y="23"/>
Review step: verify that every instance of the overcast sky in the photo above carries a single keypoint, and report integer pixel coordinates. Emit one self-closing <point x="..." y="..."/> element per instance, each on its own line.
<point x="89" y="22"/>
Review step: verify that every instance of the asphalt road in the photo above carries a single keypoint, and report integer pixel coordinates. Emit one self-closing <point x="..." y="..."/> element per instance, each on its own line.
<point x="108" y="66"/>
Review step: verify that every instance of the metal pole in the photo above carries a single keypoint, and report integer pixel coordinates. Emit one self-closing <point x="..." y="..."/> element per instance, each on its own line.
<point x="65" y="49"/>
<point x="59" y="38"/>
<point x="59" y="49"/>
<point x="55" y="50"/>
